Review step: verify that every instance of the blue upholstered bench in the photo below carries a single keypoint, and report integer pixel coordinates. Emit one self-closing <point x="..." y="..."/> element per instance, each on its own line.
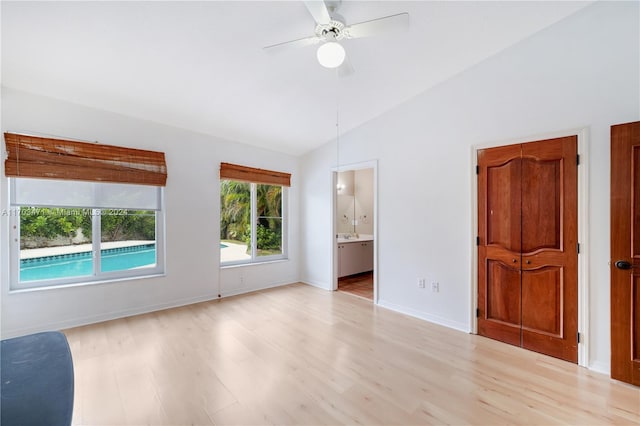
<point x="37" y="380"/>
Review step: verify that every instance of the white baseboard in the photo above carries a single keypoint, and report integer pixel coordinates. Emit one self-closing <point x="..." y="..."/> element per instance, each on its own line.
<point x="245" y="290"/>
<point x="600" y="367"/>
<point x="425" y="316"/>
<point x="318" y="284"/>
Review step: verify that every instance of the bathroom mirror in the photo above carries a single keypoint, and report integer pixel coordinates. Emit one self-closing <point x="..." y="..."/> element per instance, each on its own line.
<point x="355" y="202"/>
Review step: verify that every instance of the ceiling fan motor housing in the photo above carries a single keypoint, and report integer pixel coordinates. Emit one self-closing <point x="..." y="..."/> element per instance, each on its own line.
<point x="333" y="30"/>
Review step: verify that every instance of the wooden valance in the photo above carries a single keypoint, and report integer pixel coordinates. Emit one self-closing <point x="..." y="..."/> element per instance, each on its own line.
<point x="250" y="174"/>
<point x="38" y="157"/>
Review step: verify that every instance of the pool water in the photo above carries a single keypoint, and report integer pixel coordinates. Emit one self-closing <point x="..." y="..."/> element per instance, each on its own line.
<point x="81" y="264"/>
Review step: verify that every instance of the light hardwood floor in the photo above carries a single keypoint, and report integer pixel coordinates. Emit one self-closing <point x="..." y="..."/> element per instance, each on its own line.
<point x="300" y="355"/>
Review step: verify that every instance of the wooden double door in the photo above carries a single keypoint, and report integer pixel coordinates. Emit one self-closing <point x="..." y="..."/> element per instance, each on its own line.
<point x="625" y="252"/>
<point x="528" y="247"/>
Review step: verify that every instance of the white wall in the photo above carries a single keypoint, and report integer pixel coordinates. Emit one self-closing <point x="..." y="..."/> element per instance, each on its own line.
<point x="582" y="72"/>
<point x="192" y="219"/>
<point x="316" y="215"/>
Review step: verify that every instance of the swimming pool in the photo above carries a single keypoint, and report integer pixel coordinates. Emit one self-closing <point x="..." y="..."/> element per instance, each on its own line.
<point x="80" y="264"/>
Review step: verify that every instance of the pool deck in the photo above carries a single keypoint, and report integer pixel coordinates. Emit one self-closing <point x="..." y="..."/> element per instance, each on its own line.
<point x="78" y="248"/>
<point x="233" y="251"/>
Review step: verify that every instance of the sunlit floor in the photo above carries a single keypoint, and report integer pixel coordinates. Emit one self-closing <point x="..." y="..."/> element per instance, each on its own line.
<point x="359" y="285"/>
<point x="301" y="355"/>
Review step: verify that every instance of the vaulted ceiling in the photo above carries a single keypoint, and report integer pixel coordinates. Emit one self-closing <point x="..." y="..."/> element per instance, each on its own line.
<point x="201" y="66"/>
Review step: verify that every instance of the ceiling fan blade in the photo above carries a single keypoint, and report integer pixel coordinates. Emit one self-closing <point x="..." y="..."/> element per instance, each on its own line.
<point x="319" y="11"/>
<point x="301" y="42"/>
<point x="346" y="69"/>
<point x="377" y="26"/>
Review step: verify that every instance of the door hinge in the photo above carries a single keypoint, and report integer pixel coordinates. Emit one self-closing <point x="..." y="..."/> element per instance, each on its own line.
<point x="578" y="337"/>
<point x="477" y="170"/>
<point x="578" y="247"/>
<point x="578" y="159"/>
<point x="477" y="241"/>
<point x="477" y="312"/>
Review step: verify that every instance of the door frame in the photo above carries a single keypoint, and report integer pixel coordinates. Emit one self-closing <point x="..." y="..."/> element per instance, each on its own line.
<point x="373" y="164"/>
<point x="583" y="230"/>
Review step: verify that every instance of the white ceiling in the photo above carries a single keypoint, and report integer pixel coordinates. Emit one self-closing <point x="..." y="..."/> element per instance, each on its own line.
<point x="200" y="65"/>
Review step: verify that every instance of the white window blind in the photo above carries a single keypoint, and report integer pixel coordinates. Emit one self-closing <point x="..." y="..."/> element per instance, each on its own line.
<point x="81" y="194"/>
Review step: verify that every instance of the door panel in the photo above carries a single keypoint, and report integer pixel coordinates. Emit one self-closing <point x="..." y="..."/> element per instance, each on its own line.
<point x="503" y="205"/>
<point x="527" y="251"/>
<point x="550" y="241"/>
<point x="635" y="250"/>
<point x="499" y="251"/>
<point x="503" y="293"/>
<point x="635" y="315"/>
<point x="625" y="246"/>
<point x="541" y="204"/>
<point x="542" y="301"/>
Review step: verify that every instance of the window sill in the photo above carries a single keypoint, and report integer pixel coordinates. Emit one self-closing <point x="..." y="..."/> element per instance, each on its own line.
<point x="239" y="265"/>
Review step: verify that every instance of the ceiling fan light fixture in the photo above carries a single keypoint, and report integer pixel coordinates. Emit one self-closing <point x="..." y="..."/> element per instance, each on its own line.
<point x="331" y="54"/>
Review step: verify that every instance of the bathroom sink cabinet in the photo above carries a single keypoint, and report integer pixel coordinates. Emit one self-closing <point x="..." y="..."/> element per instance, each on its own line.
<point x="355" y="257"/>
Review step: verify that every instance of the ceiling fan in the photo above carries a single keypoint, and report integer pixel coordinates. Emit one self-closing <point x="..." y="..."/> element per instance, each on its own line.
<point x="331" y="28"/>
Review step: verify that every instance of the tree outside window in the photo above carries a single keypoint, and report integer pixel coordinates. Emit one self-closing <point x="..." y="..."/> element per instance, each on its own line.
<point x="251" y="222"/>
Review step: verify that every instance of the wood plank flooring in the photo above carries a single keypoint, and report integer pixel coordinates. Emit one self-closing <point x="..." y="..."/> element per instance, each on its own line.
<point x="359" y="285"/>
<point x="300" y="355"/>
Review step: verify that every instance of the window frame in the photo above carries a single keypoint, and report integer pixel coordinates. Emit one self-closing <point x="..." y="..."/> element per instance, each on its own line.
<point x="97" y="277"/>
<point x="255" y="259"/>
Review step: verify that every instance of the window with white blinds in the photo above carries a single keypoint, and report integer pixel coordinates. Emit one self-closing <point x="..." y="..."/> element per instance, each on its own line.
<point x="83" y="213"/>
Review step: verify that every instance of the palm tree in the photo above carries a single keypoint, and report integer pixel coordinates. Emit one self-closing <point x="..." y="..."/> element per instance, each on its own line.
<point x="235" y="209"/>
<point x="269" y="212"/>
<point x="269" y="199"/>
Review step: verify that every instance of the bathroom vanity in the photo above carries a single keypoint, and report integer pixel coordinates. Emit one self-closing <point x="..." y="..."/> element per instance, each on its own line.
<point x="355" y="255"/>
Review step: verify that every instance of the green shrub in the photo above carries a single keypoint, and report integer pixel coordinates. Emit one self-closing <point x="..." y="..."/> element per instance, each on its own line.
<point x="267" y="239"/>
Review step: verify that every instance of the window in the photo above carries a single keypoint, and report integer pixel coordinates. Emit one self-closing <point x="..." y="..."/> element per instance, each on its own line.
<point x="252" y="220"/>
<point x="63" y="245"/>
<point x="69" y="229"/>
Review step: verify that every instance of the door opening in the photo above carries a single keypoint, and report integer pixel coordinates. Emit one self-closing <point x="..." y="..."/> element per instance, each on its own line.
<point x="354" y="230"/>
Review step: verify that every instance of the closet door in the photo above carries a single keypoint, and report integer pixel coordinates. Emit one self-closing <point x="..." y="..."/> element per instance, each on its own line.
<point x="550" y="247"/>
<point x="527" y="251"/>
<point x="625" y="252"/>
<point x="499" y="230"/>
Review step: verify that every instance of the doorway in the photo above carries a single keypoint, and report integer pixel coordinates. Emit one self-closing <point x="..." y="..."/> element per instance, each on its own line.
<point x="527" y="282"/>
<point x="354" y="230"/>
<point x="625" y="252"/>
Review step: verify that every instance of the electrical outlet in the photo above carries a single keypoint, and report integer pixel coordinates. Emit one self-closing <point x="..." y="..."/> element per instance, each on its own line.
<point x="422" y="282"/>
<point x="435" y="287"/>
